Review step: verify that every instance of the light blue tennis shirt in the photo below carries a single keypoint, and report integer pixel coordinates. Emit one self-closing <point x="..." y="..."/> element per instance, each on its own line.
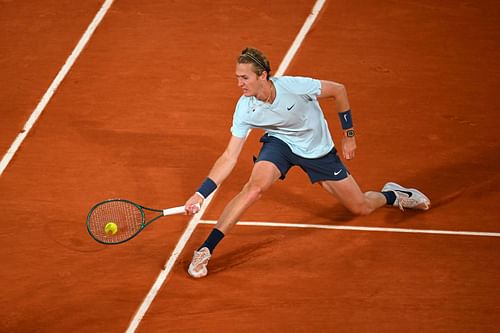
<point x="294" y="117"/>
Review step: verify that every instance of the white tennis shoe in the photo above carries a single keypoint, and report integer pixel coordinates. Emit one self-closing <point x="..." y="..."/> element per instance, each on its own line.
<point x="198" y="266"/>
<point x="408" y="197"/>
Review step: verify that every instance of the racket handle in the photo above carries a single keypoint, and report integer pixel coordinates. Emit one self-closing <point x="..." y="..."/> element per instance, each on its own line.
<point x="176" y="210"/>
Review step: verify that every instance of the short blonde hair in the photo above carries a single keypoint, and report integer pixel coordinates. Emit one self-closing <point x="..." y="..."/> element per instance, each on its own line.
<point x="257" y="58"/>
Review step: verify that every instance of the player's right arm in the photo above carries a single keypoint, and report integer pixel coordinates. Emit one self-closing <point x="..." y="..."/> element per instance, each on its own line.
<point x="220" y="171"/>
<point x="227" y="161"/>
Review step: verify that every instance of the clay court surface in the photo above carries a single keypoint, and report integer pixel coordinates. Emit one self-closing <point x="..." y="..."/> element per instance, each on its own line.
<point x="146" y="109"/>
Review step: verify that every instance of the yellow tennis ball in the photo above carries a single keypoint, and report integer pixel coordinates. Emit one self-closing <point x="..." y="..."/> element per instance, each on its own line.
<point x="111" y="228"/>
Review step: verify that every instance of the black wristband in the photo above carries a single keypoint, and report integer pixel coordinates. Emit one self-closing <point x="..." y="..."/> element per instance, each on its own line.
<point x="346" y="119"/>
<point x="207" y="187"/>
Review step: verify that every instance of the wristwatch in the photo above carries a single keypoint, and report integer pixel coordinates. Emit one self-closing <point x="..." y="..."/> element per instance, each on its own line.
<point x="349" y="133"/>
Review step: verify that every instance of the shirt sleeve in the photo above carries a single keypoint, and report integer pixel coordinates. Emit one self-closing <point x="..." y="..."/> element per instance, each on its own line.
<point x="302" y="85"/>
<point x="240" y="127"/>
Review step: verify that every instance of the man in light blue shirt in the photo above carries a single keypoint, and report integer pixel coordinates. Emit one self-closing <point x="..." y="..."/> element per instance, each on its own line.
<point x="294" y="116"/>
<point x="296" y="134"/>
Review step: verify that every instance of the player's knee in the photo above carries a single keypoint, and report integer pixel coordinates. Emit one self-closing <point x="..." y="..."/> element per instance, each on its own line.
<point x="361" y="209"/>
<point x="253" y="191"/>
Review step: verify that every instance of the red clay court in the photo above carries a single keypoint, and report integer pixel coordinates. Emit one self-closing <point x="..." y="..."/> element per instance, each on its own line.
<point x="144" y="111"/>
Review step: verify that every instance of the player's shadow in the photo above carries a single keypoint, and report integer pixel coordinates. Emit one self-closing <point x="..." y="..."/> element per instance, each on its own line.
<point x="250" y="252"/>
<point x="242" y="255"/>
<point x="238" y="256"/>
<point x="473" y="175"/>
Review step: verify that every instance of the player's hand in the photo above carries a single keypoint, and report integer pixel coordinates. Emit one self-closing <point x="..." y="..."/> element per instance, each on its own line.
<point x="348" y="147"/>
<point x="193" y="204"/>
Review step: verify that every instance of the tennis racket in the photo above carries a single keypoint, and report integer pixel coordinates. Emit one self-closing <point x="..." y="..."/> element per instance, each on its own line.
<point x="116" y="221"/>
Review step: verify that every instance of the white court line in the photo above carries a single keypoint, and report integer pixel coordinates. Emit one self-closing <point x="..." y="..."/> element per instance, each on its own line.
<point x="53" y="87"/>
<point x="196" y="219"/>
<point x="300" y="37"/>
<point x="146" y="303"/>
<point x="358" y="228"/>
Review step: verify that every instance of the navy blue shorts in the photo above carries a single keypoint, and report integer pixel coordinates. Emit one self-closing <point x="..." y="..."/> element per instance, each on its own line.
<point x="328" y="167"/>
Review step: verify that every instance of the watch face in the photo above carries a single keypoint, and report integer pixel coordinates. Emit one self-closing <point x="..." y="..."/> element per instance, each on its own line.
<point x="349" y="133"/>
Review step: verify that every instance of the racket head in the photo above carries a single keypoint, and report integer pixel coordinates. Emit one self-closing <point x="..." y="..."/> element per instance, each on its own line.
<point x="128" y="217"/>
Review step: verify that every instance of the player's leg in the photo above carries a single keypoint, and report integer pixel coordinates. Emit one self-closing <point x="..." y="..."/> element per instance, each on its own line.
<point x="350" y="195"/>
<point x="331" y="173"/>
<point x="333" y="176"/>
<point x="264" y="174"/>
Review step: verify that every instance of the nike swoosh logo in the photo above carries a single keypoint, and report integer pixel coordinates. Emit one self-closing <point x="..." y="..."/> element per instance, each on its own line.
<point x="289" y="108"/>
<point x="345" y="117"/>
<point x="336" y="173"/>
<point x="409" y="193"/>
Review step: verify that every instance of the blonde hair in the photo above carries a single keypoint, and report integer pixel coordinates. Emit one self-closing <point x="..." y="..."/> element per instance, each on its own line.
<point x="257" y="58"/>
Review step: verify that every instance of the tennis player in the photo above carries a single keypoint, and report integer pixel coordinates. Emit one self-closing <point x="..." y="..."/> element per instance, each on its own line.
<point x="296" y="134"/>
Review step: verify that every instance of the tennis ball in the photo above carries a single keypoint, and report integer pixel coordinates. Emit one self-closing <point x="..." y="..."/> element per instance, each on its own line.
<point x="111" y="228"/>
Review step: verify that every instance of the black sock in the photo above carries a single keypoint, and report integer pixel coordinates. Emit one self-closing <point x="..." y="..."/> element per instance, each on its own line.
<point x="390" y="197"/>
<point x="213" y="239"/>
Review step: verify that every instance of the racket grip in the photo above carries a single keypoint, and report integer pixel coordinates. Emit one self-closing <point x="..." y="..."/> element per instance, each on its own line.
<point x="176" y="210"/>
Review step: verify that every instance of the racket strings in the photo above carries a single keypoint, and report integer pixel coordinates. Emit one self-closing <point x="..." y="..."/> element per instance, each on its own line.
<point x="127" y="217"/>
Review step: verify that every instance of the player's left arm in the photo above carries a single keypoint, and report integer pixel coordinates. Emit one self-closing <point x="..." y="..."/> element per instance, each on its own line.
<point x="337" y="91"/>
